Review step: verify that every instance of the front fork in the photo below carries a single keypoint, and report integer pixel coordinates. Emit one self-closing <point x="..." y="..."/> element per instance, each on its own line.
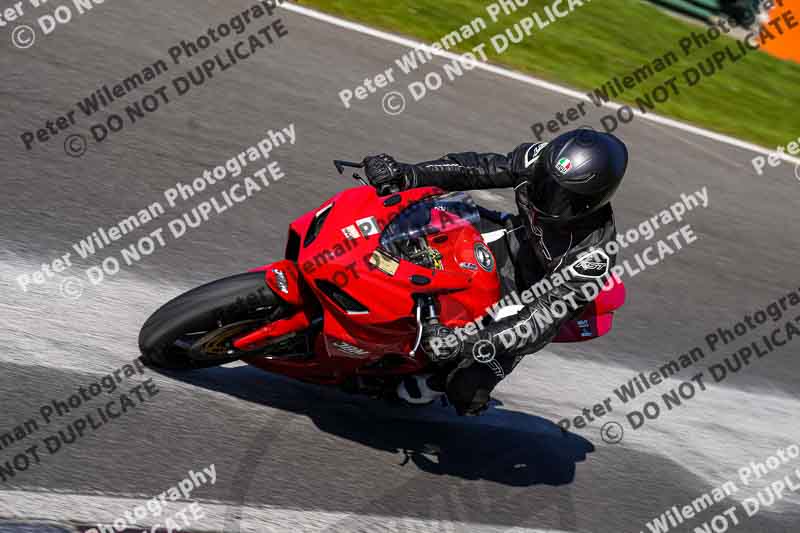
<point x="433" y="337"/>
<point x="425" y="313"/>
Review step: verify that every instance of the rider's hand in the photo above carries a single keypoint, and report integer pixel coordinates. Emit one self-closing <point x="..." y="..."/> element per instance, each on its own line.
<point x="386" y="174"/>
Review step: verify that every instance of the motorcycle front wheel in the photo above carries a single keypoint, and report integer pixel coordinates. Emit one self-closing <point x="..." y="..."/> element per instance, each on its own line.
<point x="209" y="317"/>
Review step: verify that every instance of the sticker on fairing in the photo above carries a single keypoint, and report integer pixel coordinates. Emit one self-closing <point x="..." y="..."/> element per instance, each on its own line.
<point x="349" y="349"/>
<point x="384" y="262"/>
<point x="594" y="264"/>
<point x="351" y="232"/>
<point x="280" y="279"/>
<point x="368" y="226"/>
<point x="483" y="256"/>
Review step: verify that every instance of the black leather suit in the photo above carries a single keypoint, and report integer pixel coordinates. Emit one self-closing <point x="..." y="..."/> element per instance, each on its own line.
<point x="537" y="251"/>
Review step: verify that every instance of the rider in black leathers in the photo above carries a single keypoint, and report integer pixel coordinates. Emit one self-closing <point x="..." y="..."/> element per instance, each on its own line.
<point x="565" y="220"/>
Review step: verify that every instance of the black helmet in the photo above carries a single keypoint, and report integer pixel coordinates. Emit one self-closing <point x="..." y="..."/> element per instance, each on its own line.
<point x="576" y="174"/>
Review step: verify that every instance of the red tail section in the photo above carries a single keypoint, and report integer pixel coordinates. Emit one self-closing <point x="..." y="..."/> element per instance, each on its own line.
<point x="598" y="317"/>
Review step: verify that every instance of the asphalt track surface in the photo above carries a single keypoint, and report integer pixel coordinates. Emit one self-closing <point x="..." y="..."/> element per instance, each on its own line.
<point x="291" y="457"/>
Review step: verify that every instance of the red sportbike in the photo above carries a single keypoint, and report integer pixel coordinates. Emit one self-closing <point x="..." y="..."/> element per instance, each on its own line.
<point x="364" y="276"/>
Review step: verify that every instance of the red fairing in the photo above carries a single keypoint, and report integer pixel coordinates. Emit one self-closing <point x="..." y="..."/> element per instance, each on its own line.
<point x="335" y="268"/>
<point x="284" y="280"/>
<point x="274" y="330"/>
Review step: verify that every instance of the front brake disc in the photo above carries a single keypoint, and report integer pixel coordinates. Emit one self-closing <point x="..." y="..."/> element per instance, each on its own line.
<point x="218" y="344"/>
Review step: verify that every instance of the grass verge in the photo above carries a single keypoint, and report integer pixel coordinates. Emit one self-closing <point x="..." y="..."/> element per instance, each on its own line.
<point x="750" y="99"/>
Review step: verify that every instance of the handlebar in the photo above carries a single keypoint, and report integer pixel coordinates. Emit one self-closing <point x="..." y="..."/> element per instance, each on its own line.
<point x="341" y="164"/>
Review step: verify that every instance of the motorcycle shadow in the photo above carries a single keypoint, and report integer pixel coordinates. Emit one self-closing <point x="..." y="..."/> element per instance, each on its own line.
<point x="505" y="446"/>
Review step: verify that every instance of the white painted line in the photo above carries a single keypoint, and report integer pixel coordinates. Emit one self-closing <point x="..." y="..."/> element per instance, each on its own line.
<point x="530" y="80"/>
<point x="105" y="508"/>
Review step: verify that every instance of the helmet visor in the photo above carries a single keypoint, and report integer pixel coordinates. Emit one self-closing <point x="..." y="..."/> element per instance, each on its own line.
<point x="549" y="199"/>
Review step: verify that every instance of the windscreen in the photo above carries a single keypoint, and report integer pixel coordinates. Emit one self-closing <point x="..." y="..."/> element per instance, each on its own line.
<point x="406" y="236"/>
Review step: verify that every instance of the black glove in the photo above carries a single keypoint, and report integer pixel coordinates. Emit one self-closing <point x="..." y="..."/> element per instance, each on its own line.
<point x="386" y="174"/>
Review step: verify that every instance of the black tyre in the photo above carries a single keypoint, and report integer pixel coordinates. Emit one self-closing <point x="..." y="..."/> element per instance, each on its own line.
<point x="165" y="336"/>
